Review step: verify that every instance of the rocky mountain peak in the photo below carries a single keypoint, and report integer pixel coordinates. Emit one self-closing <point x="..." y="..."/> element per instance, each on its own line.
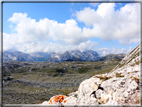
<point x="89" y="55"/>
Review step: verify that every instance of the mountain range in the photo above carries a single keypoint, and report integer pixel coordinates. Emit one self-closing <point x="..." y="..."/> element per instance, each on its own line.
<point x="88" y="55"/>
<point x="72" y="55"/>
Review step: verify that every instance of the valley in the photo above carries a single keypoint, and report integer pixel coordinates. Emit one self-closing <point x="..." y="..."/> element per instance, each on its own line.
<point x="34" y="82"/>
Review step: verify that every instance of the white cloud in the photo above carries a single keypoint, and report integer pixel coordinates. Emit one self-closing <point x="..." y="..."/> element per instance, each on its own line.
<point x="108" y="24"/>
<point x="106" y="10"/>
<point x="88" y="16"/>
<point x="106" y="51"/>
<point x="57" y="47"/>
<point x="9" y="41"/>
<point x="31" y="35"/>
<point x="29" y="30"/>
<point x="43" y="46"/>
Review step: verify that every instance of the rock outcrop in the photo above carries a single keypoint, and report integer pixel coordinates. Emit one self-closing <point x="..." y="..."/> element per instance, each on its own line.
<point x="121" y="86"/>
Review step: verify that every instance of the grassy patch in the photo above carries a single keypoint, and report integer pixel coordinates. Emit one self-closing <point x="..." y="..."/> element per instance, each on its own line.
<point x="133" y="72"/>
<point x="104" y="71"/>
<point x="119" y="75"/>
<point x="82" y="70"/>
<point x="22" y="88"/>
<point x="103" y="78"/>
<point x="137" y="63"/>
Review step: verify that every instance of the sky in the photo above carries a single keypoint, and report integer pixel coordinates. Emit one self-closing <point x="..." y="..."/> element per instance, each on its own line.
<point x="58" y="27"/>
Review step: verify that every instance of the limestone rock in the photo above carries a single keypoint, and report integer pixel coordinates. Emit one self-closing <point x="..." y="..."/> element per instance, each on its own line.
<point x="111" y="102"/>
<point x="102" y="96"/>
<point x="45" y="103"/>
<point x="88" y="86"/>
<point x="70" y="101"/>
<point x="99" y="93"/>
<point x="134" y="98"/>
<point x="59" y="99"/>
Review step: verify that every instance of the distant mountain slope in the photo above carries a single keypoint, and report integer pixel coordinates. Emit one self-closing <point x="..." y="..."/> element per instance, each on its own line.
<point x="88" y="55"/>
<point x="16" y="56"/>
<point x="40" y="56"/>
<point x="20" y="56"/>
<point x="112" y="56"/>
<point x="74" y="59"/>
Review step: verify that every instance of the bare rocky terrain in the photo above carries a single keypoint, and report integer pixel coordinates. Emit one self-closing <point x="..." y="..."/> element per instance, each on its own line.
<point x="35" y="82"/>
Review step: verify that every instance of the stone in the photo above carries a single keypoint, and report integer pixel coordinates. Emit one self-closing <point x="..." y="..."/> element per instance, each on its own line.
<point x="134" y="98"/>
<point x="133" y="85"/>
<point x="88" y="86"/>
<point x="125" y="94"/>
<point x="98" y="94"/>
<point x="74" y="94"/>
<point x="70" y="101"/>
<point x="85" y="91"/>
<point x="111" y="102"/>
<point x="58" y="99"/>
<point x="104" y="98"/>
<point x="45" y="103"/>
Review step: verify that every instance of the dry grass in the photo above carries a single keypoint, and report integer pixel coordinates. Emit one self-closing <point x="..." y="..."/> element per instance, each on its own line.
<point x="103" y="78"/>
<point x="119" y="75"/>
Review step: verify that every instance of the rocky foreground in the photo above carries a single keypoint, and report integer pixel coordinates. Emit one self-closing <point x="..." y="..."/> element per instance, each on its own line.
<point x="119" y="87"/>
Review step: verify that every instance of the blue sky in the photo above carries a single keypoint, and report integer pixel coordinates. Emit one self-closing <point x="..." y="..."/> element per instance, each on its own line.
<point x="103" y="27"/>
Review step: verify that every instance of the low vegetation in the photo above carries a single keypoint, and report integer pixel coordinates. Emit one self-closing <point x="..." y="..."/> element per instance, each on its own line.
<point x="103" y="78"/>
<point x="35" y="82"/>
<point x="119" y="75"/>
